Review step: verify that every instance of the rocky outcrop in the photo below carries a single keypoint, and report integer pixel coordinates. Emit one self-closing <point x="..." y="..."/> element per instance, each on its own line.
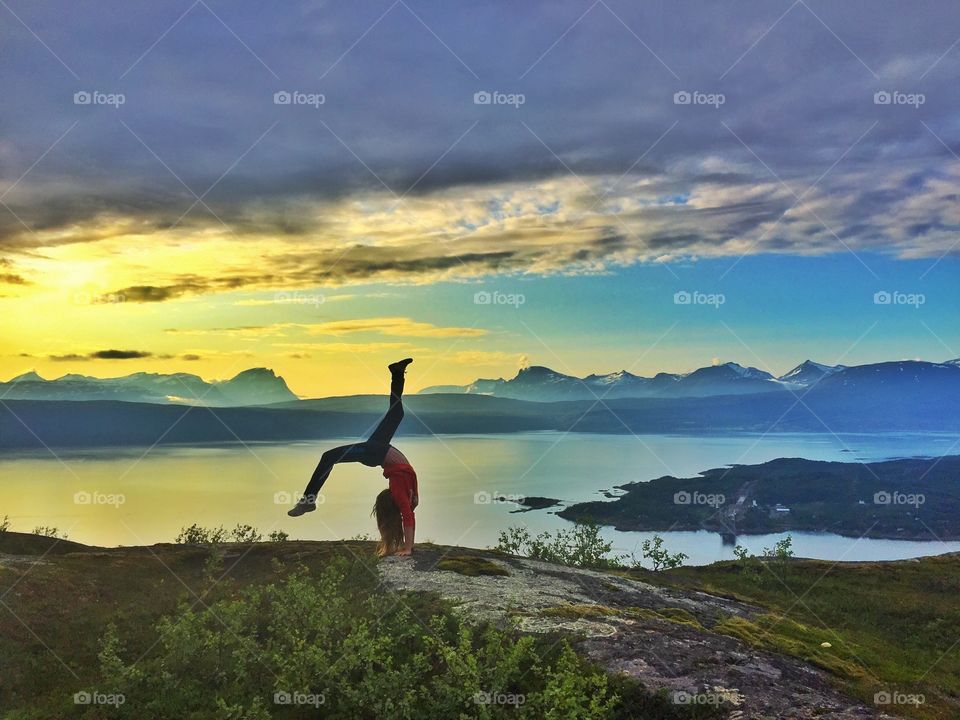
<point x="665" y="638"/>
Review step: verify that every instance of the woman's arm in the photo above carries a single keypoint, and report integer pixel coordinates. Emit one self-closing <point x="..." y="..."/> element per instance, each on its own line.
<point x="403" y="497"/>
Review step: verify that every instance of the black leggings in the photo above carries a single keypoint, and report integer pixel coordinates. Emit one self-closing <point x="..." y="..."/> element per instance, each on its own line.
<point x="371" y="452"/>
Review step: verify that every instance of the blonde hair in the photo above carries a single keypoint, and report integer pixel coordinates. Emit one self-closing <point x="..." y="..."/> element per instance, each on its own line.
<point x="389" y="523"/>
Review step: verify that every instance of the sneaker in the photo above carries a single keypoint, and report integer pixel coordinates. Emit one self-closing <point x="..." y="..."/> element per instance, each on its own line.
<point x="302" y="507"/>
<point x="399" y="366"/>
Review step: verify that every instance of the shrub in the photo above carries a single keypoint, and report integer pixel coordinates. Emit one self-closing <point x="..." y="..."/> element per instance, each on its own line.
<point x="4" y="524"/>
<point x="775" y="559"/>
<point x="197" y="535"/>
<point x="278" y="536"/>
<point x="246" y="534"/>
<point x="582" y="546"/>
<point x="321" y="639"/>
<point x="656" y="553"/>
<point x="782" y="550"/>
<point x="49" y="531"/>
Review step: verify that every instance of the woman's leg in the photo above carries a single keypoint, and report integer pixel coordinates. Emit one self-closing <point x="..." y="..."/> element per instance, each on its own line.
<point x="385" y="430"/>
<point x="358" y="452"/>
<point x="369" y="453"/>
<point x="383" y="434"/>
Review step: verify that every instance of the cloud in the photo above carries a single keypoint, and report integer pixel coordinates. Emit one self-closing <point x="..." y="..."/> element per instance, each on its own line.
<point x="486" y="357"/>
<point x="351" y="348"/>
<point x="411" y="182"/>
<point x="393" y="326"/>
<point x="108" y="355"/>
<point x="151" y="293"/>
<point x="119" y="354"/>
<point x="10" y="278"/>
<point x="251" y="330"/>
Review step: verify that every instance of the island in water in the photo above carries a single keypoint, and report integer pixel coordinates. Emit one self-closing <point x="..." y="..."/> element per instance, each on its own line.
<point x="905" y="499"/>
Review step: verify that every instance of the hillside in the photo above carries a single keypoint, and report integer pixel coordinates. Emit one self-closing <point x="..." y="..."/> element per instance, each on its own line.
<point x="915" y="499"/>
<point x="720" y="631"/>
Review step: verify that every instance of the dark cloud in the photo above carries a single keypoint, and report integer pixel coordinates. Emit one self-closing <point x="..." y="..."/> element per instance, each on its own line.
<point x="399" y="118"/>
<point x="151" y="293"/>
<point x="10" y="278"/>
<point x="119" y="355"/>
<point x="189" y="285"/>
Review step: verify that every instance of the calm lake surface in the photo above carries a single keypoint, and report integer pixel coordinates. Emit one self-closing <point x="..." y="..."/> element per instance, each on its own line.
<point x="170" y="487"/>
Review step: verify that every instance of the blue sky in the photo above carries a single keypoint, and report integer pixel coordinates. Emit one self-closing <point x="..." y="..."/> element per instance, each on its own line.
<point x="159" y="194"/>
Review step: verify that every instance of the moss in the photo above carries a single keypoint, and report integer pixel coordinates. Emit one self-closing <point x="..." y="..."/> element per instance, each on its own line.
<point x="471" y="565"/>
<point x="775" y="632"/>
<point x="675" y="615"/>
<point x="577" y="612"/>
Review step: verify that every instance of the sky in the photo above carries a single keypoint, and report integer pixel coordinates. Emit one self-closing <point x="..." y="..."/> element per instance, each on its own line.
<point x="322" y="187"/>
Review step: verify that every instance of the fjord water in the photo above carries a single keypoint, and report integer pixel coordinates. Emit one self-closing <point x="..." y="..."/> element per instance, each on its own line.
<point x="166" y="488"/>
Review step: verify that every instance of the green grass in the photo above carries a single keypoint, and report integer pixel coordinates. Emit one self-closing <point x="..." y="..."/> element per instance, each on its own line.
<point x="194" y="632"/>
<point x="890" y="625"/>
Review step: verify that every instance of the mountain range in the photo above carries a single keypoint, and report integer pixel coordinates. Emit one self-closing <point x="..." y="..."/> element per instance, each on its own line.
<point x="261" y="386"/>
<point x="907" y="396"/>
<point x="256" y="386"/>
<point x="541" y="384"/>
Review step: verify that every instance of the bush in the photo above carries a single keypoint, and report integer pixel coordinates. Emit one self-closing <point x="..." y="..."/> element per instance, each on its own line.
<point x="197" y="535"/>
<point x="49" y="531"/>
<point x="321" y="640"/>
<point x="656" y="553"/>
<point x="246" y="534"/>
<point x="4" y="524"/>
<point x="582" y="546"/>
<point x="775" y="559"/>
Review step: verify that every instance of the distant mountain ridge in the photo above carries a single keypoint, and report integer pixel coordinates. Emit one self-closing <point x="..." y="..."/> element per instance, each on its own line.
<point x="255" y="386"/>
<point x="541" y="384"/>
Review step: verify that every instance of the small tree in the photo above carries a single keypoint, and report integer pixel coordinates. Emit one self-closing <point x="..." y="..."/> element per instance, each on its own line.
<point x="656" y="553"/>
<point x="4" y="524"/>
<point x="750" y="563"/>
<point x="778" y="557"/>
<point x="782" y="551"/>
<point x="278" y="536"/>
